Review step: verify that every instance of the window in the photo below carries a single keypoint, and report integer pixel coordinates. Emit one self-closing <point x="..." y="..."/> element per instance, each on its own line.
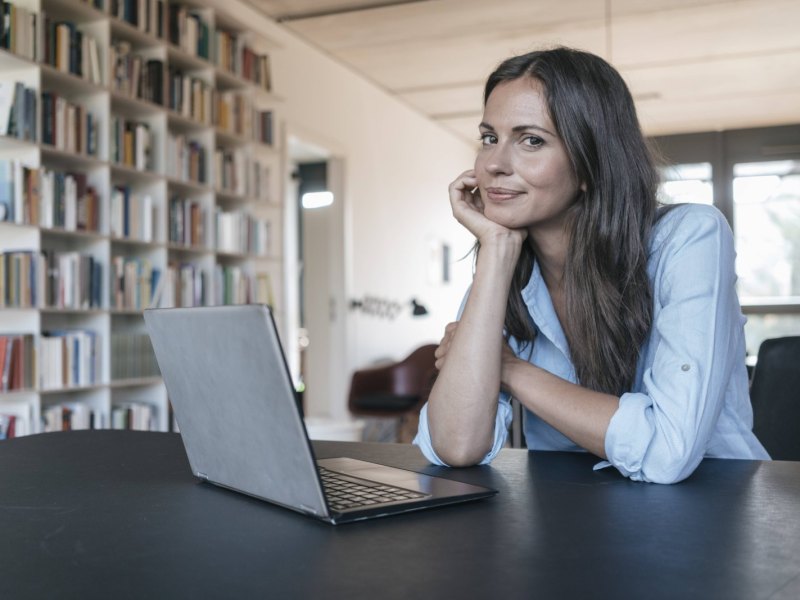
<point x="753" y="177"/>
<point x="766" y="212"/>
<point x="686" y="183"/>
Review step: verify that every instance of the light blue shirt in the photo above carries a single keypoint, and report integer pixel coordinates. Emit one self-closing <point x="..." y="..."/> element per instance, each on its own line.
<point x="690" y="398"/>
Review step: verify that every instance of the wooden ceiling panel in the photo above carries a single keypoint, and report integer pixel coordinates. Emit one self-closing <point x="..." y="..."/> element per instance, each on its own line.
<point x="705" y="31"/>
<point x="428" y="22"/>
<point x="292" y="9"/>
<point x="406" y="67"/>
<point x="692" y="64"/>
<point x="741" y="111"/>
<point x="721" y="79"/>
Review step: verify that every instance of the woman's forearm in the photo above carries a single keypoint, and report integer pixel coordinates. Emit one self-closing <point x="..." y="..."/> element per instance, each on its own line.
<point x="579" y="413"/>
<point x="463" y="403"/>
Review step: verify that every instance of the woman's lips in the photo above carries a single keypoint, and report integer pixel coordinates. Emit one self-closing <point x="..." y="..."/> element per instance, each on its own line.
<point x="498" y="194"/>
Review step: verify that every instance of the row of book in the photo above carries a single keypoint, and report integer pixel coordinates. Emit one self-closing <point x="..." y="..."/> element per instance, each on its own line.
<point x="73" y="127"/>
<point x="131" y="144"/>
<point x="69" y="280"/>
<point x="230" y="165"/>
<point x="232" y="53"/>
<point x="132" y="216"/>
<point x="69" y="359"/>
<point x="63" y="359"/>
<point x="234" y="285"/>
<point x="135" y="75"/>
<point x="23" y="34"/>
<point x="61" y="199"/>
<point x="233" y="113"/>
<point x="262" y="129"/>
<point x="186" y="159"/>
<point x="132" y="356"/>
<point x="184" y="284"/>
<point x="148" y="16"/>
<point x="240" y="233"/>
<point x="187" y="220"/>
<point x="16" y="419"/>
<point x="17" y="362"/>
<point x="72" y="280"/>
<point x="68" y="126"/>
<point x="70" y="50"/>
<point x="22" y="275"/>
<point x="67" y="416"/>
<point x="19" y="30"/>
<point x="187" y="284"/>
<point x="18" y="104"/>
<point x="189" y="96"/>
<point x="47" y="198"/>
<point x="189" y="31"/>
<point x="134" y="282"/>
<point x="48" y="278"/>
<point x="239" y="172"/>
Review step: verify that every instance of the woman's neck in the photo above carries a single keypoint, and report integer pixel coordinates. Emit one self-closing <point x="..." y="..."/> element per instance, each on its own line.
<point x="551" y="249"/>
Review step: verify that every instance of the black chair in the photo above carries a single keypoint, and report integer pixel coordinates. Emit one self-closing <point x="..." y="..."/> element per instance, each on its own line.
<point x="775" y="394"/>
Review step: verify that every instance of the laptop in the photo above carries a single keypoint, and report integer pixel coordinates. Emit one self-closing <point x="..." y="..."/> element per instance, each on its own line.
<point x="237" y="412"/>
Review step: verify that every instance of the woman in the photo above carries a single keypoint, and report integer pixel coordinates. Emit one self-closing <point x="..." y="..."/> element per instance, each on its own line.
<point x="614" y="323"/>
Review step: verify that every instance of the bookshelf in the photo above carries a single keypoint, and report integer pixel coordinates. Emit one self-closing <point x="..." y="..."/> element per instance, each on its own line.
<point x="138" y="167"/>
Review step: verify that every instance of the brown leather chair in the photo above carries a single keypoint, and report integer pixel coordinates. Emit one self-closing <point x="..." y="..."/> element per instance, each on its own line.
<point x="397" y="389"/>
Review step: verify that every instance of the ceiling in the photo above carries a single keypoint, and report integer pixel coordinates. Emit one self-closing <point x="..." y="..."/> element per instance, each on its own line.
<point x="691" y="65"/>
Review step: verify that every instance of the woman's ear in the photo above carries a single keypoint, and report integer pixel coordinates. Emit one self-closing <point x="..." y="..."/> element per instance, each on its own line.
<point x="583" y="187"/>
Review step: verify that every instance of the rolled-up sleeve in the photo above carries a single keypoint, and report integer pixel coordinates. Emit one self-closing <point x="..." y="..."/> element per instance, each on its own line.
<point x="660" y="433"/>
<point x="501" y="424"/>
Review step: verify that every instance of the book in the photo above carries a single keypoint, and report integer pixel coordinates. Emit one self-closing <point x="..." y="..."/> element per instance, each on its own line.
<point x="7" y="426"/>
<point x="6" y="103"/>
<point x="7" y="190"/>
<point x="5" y="353"/>
<point x="5" y="365"/>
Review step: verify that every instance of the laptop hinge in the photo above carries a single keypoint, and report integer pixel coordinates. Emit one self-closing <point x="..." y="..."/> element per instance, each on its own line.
<point x="202" y="475"/>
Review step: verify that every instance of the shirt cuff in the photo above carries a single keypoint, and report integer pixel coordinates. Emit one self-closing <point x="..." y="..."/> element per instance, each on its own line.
<point x="502" y="421"/>
<point x="629" y="434"/>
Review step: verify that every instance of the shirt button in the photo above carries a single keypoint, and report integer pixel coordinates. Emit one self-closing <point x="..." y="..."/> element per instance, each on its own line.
<point x="684" y="367"/>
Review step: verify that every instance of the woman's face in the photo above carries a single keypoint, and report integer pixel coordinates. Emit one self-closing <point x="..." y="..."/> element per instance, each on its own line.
<point x="524" y="175"/>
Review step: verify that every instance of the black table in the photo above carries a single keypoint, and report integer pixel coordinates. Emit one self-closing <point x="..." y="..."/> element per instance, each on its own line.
<point x="113" y="514"/>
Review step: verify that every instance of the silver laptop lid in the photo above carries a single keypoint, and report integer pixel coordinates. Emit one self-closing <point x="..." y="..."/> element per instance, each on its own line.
<point x="234" y="402"/>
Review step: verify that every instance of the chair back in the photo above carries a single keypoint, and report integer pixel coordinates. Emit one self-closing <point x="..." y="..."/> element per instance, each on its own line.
<point x="394" y="388"/>
<point x="775" y="394"/>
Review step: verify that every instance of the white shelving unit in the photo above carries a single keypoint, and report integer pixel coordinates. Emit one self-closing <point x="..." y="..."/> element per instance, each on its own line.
<point x="155" y="243"/>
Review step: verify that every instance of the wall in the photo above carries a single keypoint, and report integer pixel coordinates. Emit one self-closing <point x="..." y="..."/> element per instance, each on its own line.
<point x="397" y="166"/>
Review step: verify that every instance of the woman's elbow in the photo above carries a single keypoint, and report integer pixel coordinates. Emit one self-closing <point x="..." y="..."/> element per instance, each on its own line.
<point x="461" y="455"/>
<point x="670" y="469"/>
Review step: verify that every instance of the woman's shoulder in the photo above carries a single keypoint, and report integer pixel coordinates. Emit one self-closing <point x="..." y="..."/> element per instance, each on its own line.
<point x="677" y="224"/>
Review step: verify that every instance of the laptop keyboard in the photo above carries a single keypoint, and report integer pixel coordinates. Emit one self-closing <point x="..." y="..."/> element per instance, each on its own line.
<point x="344" y="492"/>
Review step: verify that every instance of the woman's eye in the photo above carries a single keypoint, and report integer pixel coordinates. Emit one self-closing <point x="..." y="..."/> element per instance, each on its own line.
<point x="533" y="141"/>
<point x="488" y="138"/>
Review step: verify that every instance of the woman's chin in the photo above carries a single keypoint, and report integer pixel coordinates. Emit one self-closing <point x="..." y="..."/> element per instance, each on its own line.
<point x="503" y="217"/>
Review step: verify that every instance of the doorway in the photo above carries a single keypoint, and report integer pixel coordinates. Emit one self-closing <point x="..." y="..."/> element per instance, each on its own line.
<point x="317" y="328"/>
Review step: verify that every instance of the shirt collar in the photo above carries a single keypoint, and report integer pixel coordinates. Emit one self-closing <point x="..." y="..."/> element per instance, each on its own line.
<point x="540" y="306"/>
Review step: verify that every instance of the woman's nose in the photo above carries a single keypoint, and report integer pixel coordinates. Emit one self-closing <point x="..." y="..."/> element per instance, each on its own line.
<point x="498" y="160"/>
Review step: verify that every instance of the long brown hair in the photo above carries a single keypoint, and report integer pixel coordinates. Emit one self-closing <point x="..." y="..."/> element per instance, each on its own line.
<point x="609" y="301"/>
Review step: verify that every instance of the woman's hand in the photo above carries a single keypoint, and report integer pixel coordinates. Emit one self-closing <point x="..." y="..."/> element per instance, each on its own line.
<point x="508" y="357"/>
<point x="444" y="345"/>
<point x="467" y="207"/>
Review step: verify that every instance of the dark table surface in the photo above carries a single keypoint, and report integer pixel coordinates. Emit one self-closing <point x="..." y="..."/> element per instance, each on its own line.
<point x="115" y="514"/>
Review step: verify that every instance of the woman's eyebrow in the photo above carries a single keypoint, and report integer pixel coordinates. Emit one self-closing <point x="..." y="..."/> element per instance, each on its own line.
<point x="519" y="128"/>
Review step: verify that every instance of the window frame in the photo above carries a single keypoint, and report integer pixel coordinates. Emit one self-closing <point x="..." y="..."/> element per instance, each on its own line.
<point x="724" y="149"/>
